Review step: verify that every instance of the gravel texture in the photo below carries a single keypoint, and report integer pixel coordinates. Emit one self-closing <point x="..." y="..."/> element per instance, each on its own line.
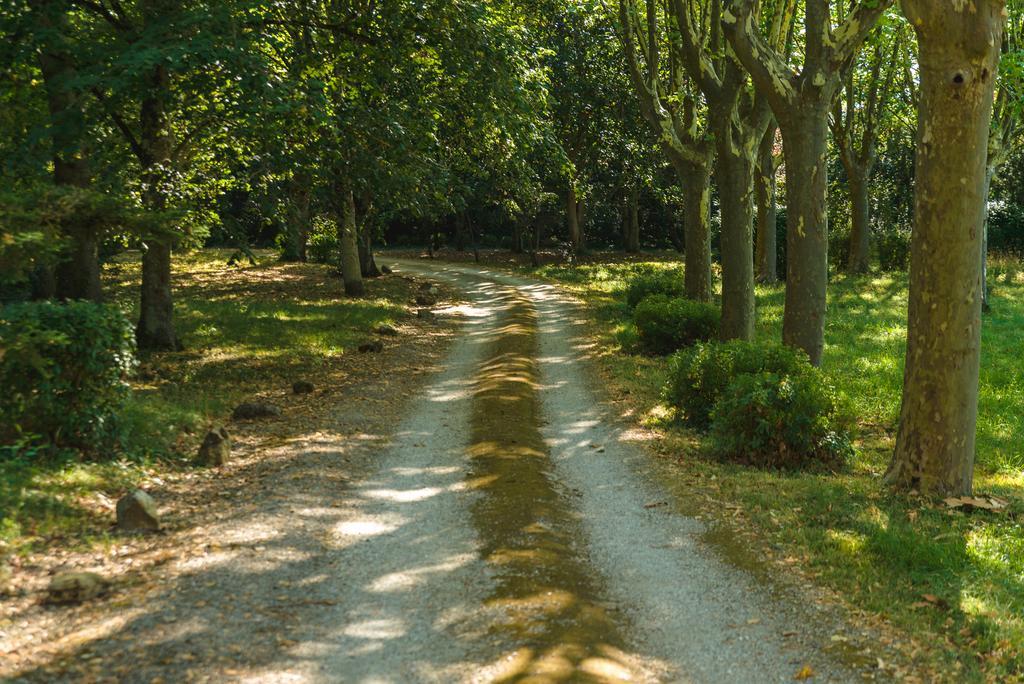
<point x="379" y="575"/>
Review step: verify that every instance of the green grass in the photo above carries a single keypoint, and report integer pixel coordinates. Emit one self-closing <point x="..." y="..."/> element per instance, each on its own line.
<point x="245" y="330"/>
<point x="882" y="552"/>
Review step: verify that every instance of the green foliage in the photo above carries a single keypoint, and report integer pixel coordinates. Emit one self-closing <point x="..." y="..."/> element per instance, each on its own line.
<point x="63" y="368"/>
<point x="665" y="282"/>
<point x="323" y="243"/>
<point x="665" y="324"/>
<point x="698" y="377"/>
<point x="781" y="421"/>
<point x="894" y="251"/>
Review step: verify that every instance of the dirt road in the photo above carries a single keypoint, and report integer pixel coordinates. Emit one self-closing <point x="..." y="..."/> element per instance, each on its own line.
<point x="513" y="529"/>
<point x="508" y="527"/>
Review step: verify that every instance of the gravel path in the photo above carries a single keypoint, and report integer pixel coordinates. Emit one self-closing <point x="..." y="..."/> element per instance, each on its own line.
<point x="505" y="527"/>
<point x="685" y="615"/>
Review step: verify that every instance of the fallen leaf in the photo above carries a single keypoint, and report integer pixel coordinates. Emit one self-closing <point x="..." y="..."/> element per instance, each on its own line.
<point x="806" y="672"/>
<point x="936" y="601"/>
<point x="986" y="503"/>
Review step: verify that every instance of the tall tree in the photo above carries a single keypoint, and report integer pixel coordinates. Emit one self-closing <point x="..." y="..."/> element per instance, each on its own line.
<point x="1006" y="130"/>
<point x="858" y="118"/>
<point x="739" y="121"/>
<point x="78" y="276"/>
<point x="670" y="106"/>
<point x="801" y="96"/>
<point x="958" y="52"/>
<point x="766" y="262"/>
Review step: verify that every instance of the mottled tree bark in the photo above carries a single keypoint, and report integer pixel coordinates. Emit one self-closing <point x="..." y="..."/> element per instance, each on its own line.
<point x="683" y="136"/>
<point x="695" y="180"/>
<point x="858" y="260"/>
<point x="766" y="251"/>
<point x="801" y="102"/>
<point x="734" y="175"/>
<point x="958" y="47"/>
<point x="803" y="321"/>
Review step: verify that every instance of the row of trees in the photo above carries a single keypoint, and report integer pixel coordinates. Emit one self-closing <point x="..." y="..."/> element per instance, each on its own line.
<point x="162" y="122"/>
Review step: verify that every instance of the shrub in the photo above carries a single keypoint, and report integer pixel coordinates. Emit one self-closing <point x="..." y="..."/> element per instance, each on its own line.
<point x="668" y="282"/>
<point x="664" y="325"/>
<point x="894" y="251"/>
<point x="697" y="377"/>
<point x="781" y="421"/>
<point x="322" y="247"/>
<point x="64" y="371"/>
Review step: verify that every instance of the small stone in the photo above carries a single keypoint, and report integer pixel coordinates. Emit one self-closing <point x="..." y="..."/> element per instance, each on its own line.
<point x="216" y="448"/>
<point x="136" y="512"/>
<point x="386" y="270"/>
<point x="375" y="347"/>
<point x="386" y="330"/>
<point x="302" y="387"/>
<point x="75" y="587"/>
<point x="255" y="409"/>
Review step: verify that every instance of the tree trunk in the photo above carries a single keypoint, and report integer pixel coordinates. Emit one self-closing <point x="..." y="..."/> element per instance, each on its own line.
<point x="860" y="229"/>
<point x="734" y="174"/>
<point x="43" y="283"/>
<point x="367" y="263"/>
<point x="574" y="213"/>
<point x="155" y="330"/>
<point x="804" y="138"/>
<point x="695" y="180"/>
<point x="348" y="243"/>
<point x="299" y="219"/>
<point x="958" y="54"/>
<point x="461" y="234"/>
<point x="535" y="240"/>
<point x="766" y="254"/>
<point x="989" y="173"/>
<point x="517" y="234"/>
<point x="78" y="276"/>
<point x="631" y="224"/>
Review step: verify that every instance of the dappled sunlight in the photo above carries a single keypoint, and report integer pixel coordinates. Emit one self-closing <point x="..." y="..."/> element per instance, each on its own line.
<point x="411" y="578"/>
<point x="369" y="528"/>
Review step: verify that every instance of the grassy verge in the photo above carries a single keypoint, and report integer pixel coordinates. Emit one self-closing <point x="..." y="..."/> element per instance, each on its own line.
<point x="952" y="580"/>
<point x="245" y="330"/>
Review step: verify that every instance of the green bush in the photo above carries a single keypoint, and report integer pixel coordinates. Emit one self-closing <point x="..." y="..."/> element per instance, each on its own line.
<point x="322" y="247"/>
<point x="697" y="377"/>
<point x="667" y="282"/>
<point x="894" y="251"/>
<point x="664" y="324"/>
<point x="63" y="369"/>
<point x="781" y="421"/>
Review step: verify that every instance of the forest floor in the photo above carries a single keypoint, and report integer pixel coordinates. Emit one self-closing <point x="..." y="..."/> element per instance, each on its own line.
<point x="508" y="502"/>
<point x="470" y="509"/>
<point x="249" y="333"/>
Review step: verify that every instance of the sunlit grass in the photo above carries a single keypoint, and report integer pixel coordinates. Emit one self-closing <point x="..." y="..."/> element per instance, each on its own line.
<point x="245" y="330"/>
<point x="881" y="551"/>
